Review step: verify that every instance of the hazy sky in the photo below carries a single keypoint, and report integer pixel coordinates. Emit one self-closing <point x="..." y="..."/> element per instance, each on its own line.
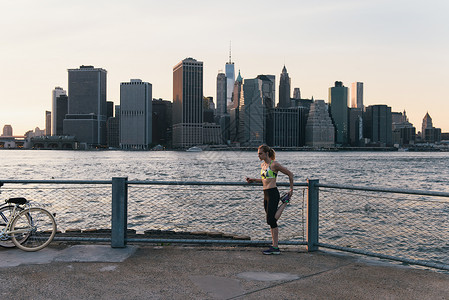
<point x="399" y="49"/>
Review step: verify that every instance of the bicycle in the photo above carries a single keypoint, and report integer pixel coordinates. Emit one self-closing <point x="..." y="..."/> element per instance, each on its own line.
<point x="26" y="227"/>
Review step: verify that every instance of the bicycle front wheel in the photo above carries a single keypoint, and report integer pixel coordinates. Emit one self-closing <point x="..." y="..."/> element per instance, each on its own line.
<point x="6" y="213"/>
<point x="38" y="223"/>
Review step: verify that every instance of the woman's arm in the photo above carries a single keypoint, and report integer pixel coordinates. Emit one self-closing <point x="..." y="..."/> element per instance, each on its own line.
<point x="278" y="167"/>
<point x="251" y="180"/>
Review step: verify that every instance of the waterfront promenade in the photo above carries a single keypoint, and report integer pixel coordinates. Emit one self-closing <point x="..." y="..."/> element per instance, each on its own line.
<point x="147" y="271"/>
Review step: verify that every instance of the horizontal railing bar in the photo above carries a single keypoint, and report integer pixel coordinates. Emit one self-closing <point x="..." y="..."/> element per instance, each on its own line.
<point x="211" y="183"/>
<point x="385" y="190"/>
<point x="80" y="239"/>
<point x="207" y="241"/>
<point x="58" y="181"/>
<point x="235" y="183"/>
<point x="384" y="256"/>
<point x="143" y="182"/>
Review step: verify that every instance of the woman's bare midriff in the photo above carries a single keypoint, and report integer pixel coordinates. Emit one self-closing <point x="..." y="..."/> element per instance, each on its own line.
<point x="269" y="183"/>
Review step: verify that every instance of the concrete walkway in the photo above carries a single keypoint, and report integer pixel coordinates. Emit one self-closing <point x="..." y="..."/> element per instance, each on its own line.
<point x="180" y="272"/>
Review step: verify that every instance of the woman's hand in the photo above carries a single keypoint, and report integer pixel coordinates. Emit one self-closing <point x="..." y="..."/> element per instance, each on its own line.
<point x="250" y="180"/>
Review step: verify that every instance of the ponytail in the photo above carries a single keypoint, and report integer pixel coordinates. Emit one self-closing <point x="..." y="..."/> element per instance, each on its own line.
<point x="271" y="153"/>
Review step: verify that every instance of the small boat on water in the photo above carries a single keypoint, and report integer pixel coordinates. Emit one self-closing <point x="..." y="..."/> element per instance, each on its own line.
<point x="194" y="149"/>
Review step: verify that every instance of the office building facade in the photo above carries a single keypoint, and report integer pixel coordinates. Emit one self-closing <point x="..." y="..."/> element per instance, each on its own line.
<point x="188" y="103"/>
<point x="60" y="109"/>
<point x="355" y="127"/>
<point x="338" y="108"/>
<point x="58" y="91"/>
<point x="136" y="115"/>
<point x="86" y="117"/>
<point x="162" y="122"/>
<point x="377" y="124"/>
<point x="230" y="79"/>
<point x="288" y="127"/>
<point x="357" y="95"/>
<point x="7" y="130"/>
<point x="234" y="114"/>
<point x="284" y="89"/>
<point x="48" y="123"/>
<point x="221" y="94"/>
<point x="256" y="120"/>
<point x="320" y="130"/>
<point x="430" y="134"/>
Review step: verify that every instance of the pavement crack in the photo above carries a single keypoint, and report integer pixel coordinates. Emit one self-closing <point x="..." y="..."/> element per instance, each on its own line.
<point x="289" y="281"/>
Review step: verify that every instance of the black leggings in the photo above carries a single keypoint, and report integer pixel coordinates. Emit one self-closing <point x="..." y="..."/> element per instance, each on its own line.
<point x="270" y="203"/>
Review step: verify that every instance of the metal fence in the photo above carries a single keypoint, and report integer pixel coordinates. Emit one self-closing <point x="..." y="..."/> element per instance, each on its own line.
<point x="78" y="205"/>
<point x="228" y="208"/>
<point x="408" y="226"/>
<point x="403" y="225"/>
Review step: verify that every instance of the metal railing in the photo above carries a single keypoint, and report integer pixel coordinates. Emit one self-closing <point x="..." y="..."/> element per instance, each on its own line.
<point x="408" y="226"/>
<point x="403" y="225"/>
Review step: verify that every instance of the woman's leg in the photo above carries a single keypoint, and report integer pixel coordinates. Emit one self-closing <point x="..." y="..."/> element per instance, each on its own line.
<point x="275" y="236"/>
<point x="280" y="210"/>
<point x="272" y="202"/>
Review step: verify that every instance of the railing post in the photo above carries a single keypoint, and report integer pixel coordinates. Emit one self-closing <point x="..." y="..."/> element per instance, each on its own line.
<point x="119" y="218"/>
<point x="312" y="215"/>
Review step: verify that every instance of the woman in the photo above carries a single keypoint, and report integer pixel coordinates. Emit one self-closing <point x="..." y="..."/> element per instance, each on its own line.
<point x="270" y="169"/>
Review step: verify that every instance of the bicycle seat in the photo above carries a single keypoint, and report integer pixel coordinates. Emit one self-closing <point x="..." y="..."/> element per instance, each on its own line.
<point x="18" y="200"/>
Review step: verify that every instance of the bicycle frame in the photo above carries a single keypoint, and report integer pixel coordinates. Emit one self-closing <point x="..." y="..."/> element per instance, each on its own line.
<point x="6" y="231"/>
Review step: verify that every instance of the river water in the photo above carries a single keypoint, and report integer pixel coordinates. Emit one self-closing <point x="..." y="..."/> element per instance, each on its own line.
<point x="379" y="223"/>
<point x="427" y="171"/>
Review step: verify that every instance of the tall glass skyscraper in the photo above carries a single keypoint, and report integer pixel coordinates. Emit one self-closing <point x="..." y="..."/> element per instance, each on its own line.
<point x="135" y="115"/>
<point x="188" y="103"/>
<point x="377" y="125"/>
<point x="230" y="77"/>
<point x="338" y="106"/>
<point x="221" y="94"/>
<point x="58" y="91"/>
<point x="86" y="118"/>
<point x="357" y="95"/>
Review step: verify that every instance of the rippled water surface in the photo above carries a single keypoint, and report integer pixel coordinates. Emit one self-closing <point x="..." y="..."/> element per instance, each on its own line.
<point x="428" y="171"/>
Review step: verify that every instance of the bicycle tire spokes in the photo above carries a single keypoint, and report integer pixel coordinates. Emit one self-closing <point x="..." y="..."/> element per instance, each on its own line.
<point x="40" y="226"/>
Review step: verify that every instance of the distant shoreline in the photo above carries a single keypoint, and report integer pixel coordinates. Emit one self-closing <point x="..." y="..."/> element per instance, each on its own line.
<point x="304" y="149"/>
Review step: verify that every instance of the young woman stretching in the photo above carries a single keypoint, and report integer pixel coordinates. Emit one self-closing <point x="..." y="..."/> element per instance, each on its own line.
<point x="270" y="169"/>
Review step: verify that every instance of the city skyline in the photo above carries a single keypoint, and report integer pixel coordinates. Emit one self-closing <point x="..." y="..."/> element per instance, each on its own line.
<point x="396" y="49"/>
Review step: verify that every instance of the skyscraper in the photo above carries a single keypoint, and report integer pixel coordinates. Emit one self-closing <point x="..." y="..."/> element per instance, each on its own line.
<point x="357" y="95"/>
<point x="135" y="115"/>
<point x="338" y="107"/>
<point x="429" y="133"/>
<point x="284" y="90"/>
<point x="288" y="127"/>
<point x="162" y="122"/>
<point x="426" y="124"/>
<point x="188" y="103"/>
<point x="252" y="113"/>
<point x="237" y="99"/>
<point x="86" y="118"/>
<point x="320" y="132"/>
<point x="47" y="122"/>
<point x="59" y="111"/>
<point x="255" y="113"/>
<point x="221" y="94"/>
<point x="58" y="91"/>
<point x="377" y="125"/>
<point x="230" y="78"/>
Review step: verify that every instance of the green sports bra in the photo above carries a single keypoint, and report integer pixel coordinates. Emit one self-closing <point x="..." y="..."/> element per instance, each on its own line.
<point x="268" y="173"/>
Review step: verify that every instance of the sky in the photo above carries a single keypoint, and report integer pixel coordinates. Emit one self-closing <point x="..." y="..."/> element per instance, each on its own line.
<point x="398" y="49"/>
